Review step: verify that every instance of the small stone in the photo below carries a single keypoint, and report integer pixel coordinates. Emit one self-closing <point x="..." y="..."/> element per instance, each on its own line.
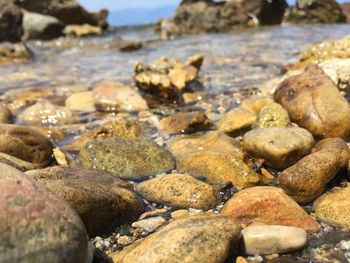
<point x="272" y="115"/>
<point x="26" y="144"/>
<point x="186" y="239"/>
<point x="241" y="260"/>
<point x="180" y="191"/>
<point x="179" y="213"/>
<point x="279" y="147"/>
<point x="126" y="158"/>
<point x="153" y="213"/>
<point x="269" y="205"/>
<point x="112" y="96"/>
<point x="218" y="167"/>
<point x="266" y="240"/>
<point x="46" y="114"/>
<point x="184" y="122"/>
<point x="150" y="224"/>
<point x="81" y="102"/>
<point x="61" y="158"/>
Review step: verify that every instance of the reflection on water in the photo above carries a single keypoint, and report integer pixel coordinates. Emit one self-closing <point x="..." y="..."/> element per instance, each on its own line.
<point x="232" y="61"/>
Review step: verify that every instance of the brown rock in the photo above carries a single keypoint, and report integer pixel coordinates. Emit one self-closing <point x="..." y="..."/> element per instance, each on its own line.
<point x="10" y="22"/>
<point x="131" y="129"/>
<point x="102" y="202"/>
<point x="184" y="122"/>
<point x="314" y="103"/>
<point x="16" y="163"/>
<point x="269" y="205"/>
<point x="218" y="167"/>
<point x="209" y="141"/>
<point x="114" y="96"/>
<point x="17" y="53"/>
<point x="307" y="179"/>
<point x="81" y="102"/>
<point x="36" y="225"/>
<point x="333" y="207"/>
<point x="186" y="239"/>
<point x="180" y="191"/>
<point x="272" y="115"/>
<point x="279" y="147"/>
<point x="5" y="114"/>
<point x="26" y="144"/>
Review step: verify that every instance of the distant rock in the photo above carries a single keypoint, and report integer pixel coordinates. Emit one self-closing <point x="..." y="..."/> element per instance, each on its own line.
<point x="10" y="22"/>
<point x="198" y="16"/>
<point x="43" y="27"/>
<point x="68" y="11"/>
<point x="82" y="30"/>
<point x="14" y="53"/>
<point x="346" y="10"/>
<point x="315" y="12"/>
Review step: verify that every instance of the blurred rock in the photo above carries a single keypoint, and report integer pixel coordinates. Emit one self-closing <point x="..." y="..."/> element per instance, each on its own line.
<point x="83" y="30"/>
<point x="10" y="22"/>
<point x="42" y="27"/>
<point x="315" y="12"/>
<point x="10" y="53"/>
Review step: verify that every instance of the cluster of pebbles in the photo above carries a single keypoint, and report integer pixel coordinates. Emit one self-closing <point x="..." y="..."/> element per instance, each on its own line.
<point x="163" y="172"/>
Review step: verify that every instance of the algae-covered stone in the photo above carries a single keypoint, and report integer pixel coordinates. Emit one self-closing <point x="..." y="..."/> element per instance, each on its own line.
<point x="218" y="167"/>
<point x="205" y="238"/>
<point x="127" y="158"/>
<point x="179" y="190"/>
<point x="272" y="115"/>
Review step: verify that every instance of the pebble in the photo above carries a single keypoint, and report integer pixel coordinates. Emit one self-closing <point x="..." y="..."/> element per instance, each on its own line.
<point x="81" y="102"/>
<point x="150" y="224"/>
<point x="273" y="239"/>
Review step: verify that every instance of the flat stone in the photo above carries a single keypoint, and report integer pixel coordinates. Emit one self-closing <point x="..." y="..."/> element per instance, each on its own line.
<point x="269" y="205"/>
<point x="267" y="240"/>
<point x="186" y="239"/>
<point x="150" y="224"/>
<point x="180" y="191"/>
<point x="36" y="225"/>
<point x="126" y="158"/>
<point x="279" y="147"/>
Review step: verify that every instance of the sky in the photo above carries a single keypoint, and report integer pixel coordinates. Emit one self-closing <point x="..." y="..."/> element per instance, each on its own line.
<point x="125" y="4"/>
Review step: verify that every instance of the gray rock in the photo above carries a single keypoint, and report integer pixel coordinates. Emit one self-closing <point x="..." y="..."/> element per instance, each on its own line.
<point x="44" y="27"/>
<point x="36" y="225"/>
<point x="133" y="159"/>
<point x="10" y="22"/>
<point x="273" y="239"/>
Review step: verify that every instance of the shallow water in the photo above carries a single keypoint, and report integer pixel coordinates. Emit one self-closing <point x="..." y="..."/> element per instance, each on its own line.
<point x="233" y="61"/>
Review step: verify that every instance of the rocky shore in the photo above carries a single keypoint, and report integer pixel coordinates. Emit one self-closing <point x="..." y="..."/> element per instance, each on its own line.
<point x="159" y="167"/>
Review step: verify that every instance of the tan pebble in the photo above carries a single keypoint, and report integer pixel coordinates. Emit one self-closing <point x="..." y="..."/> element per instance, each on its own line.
<point x="179" y="213"/>
<point x="241" y="260"/>
<point x="153" y="213"/>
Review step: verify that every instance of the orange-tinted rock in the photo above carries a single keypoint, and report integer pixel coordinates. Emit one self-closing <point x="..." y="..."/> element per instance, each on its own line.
<point x="269" y="205"/>
<point x="307" y="179"/>
<point x="314" y="102"/>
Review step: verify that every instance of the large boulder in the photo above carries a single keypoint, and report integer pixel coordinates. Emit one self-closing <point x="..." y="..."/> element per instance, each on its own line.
<point x="10" y="22"/>
<point x="316" y="12"/>
<point x="35" y="224"/>
<point x="37" y="26"/>
<point x="196" y="16"/>
<point x="68" y="11"/>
